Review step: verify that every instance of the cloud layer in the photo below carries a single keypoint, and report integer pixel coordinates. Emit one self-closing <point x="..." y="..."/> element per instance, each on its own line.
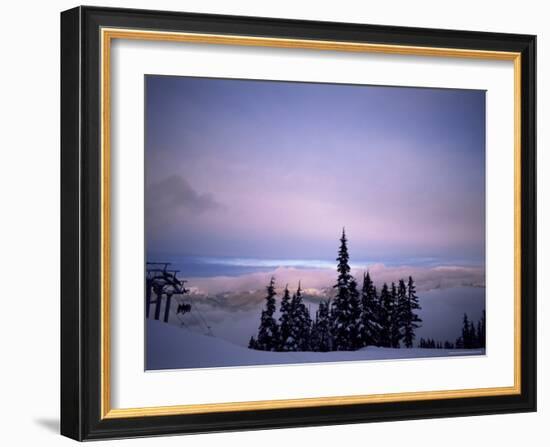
<point x="319" y="282"/>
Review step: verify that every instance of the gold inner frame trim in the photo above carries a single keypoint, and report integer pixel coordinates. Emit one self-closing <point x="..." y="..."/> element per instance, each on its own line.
<point x="107" y="35"/>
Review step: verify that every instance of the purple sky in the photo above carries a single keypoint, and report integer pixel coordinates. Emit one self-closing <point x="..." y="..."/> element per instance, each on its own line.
<point x="270" y="169"/>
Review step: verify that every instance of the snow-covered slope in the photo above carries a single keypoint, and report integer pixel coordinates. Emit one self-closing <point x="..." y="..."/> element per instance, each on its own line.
<point x="172" y="347"/>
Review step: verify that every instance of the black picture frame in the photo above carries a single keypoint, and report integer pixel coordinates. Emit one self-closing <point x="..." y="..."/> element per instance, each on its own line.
<point x="81" y="393"/>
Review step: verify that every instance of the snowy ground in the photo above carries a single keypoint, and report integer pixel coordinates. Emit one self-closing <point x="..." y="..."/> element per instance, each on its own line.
<point x="172" y="347"/>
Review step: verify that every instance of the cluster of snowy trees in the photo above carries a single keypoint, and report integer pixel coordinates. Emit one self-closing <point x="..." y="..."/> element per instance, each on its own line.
<point x="354" y="319"/>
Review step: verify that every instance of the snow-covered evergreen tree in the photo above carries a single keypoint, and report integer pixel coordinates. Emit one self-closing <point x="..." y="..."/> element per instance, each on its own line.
<point x="402" y="305"/>
<point x="410" y="319"/>
<point x="355" y="335"/>
<point x="345" y="311"/>
<point x="385" y="306"/>
<point x="370" y="328"/>
<point x="301" y="327"/>
<point x="295" y="323"/>
<point x="268" y="332"/>
<point x="285" y="321"/>
<point x="314" y="337"/>
<point x="395" y="318"/>
<point x="323" y="327"/>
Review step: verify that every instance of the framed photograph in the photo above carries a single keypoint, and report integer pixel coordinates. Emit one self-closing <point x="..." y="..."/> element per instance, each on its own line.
<point x="276" y="223"/>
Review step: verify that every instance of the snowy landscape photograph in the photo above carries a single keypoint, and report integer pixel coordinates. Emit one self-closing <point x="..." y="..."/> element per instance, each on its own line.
<point x="298" y="222"/>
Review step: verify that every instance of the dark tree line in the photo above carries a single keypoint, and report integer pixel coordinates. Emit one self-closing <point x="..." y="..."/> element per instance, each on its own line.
<point x="430" y="343"/>
<point x="473" y="335"/>
<point x="355" y="318"/>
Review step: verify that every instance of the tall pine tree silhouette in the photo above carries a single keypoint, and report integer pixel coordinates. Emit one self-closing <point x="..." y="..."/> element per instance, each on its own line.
<point x="473" y="337"/>
<point x="321" y="336"/>
<point x="285" y="321"/>
<point x="466" y="334"/>
<point x="370" y="328"/>
<point x="411" y="320"/>
<point x="345" y="307"/>
<point x="314" y="335"/>
<point x="355" y="335"/>
<point x="402" y="308"/>
<point x="301" y="328"/>
<point x="395" y="318"/>
<point x="295" y="323"/>
<point x="268" y="332"/>
<point x="481" y="332"/>
<point x="384" y="317"/>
